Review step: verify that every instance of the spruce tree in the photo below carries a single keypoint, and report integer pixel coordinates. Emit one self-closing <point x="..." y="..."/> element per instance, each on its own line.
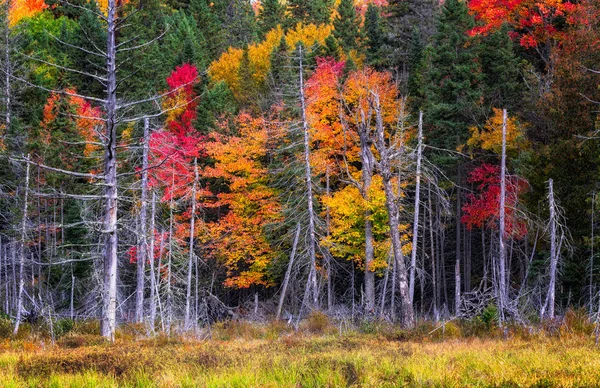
<point x="346" y="25"/>
<point x="452" y="83"/>
<point x="270" y="15"/>
<point x="374" y="35"/>
<point x="308" y="11"/>
<point x="500" y="67"/>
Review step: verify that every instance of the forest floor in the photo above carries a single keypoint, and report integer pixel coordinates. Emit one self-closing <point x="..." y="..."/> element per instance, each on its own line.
<point x="244" y="356"/>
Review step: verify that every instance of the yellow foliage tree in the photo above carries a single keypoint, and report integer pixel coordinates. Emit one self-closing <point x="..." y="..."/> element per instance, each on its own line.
<point x="227" y="67"/>
<point x="490" y="136"/>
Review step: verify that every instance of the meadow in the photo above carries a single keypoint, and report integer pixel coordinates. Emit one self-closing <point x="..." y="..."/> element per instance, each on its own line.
<point x="318" y="354"/>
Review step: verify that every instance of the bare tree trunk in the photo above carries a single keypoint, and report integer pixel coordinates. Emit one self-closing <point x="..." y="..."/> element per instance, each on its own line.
<point x="143" y="257"/>
<point x="367" y="176"/>
<point x="434" y="280"/>
<point x="22" y="242"/>
<point x="169" y="302"/>
<point x="188" y="295"/>
<point x="288" y="273"/>
<point x="312" y="239"/>
<point x="457" y="279"/>
<point x="328" y="256"/>
<point x="109" y="305"/>
<point x="553" y="251"/>
<point x="413" y="255"/>
<point x="591" y="285"/>
<point x="153" y="282"/>
<point x="406" y="309"/>
<point x="502" y="292"/>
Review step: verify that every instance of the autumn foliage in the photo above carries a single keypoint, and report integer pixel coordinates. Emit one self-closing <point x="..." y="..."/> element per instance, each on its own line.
<point x="533" y="21"/>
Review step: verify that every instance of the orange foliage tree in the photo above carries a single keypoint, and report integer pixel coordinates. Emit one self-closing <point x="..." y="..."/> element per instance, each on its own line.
<point x="239" y="238"/>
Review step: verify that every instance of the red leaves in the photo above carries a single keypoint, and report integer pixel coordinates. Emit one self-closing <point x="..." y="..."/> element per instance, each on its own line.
<point x="534" y="21"/>
<point x="175" y="147"/>
<point x="483" y="209"/>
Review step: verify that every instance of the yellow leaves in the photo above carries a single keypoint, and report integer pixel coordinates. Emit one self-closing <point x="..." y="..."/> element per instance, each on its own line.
<point x="348" y="210"/>
<point x="227" y="67"/>
<point x="490" y="137"/>
<point x="309" y="35"/>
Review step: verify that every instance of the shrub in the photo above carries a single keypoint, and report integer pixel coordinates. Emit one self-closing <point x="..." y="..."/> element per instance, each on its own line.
<point x="63" y="326"/>
<point x="317" y="323"/>
<point x="72" y="341"/>
<point x="91" y="327"/>
<point x="6" y="327"/>
<point x="577" y="322"/>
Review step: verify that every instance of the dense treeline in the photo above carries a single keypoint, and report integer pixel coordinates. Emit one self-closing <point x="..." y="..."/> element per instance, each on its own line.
<point x="184" y="161"/>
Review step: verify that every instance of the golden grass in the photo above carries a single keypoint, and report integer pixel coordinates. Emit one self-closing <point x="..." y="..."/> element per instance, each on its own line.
<point x="305" y="360"/>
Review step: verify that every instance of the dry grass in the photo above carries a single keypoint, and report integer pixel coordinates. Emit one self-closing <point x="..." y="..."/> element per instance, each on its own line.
<point x="272" y="355"/>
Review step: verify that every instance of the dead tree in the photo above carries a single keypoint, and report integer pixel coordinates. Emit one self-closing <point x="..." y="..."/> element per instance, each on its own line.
<point x="312" y="290"/>
<point x="385" y="167"/>
<point x="22" y="250"/>
<point x="413" y="256"/>
<point x="502" y="291"/>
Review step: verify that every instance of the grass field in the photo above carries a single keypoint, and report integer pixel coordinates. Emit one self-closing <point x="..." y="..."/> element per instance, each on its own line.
<point x="272" y="356"/>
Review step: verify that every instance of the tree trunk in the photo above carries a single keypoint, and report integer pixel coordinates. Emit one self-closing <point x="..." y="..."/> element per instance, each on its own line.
<point x="288" y="273"/>
<point x="109" y="298"/>
<point x="502" y="292"/>
<point x="413" y="255"/>
<point x="406" y="310"/>
<point x="457" y="278"/>
<point x="553" y="251"/>
<point x="188" y="295"/>
<point x="22" y="242"/>
<point x="153" y="282"/>
<point x="312" y="239"/>
<point x="143" y="257"/>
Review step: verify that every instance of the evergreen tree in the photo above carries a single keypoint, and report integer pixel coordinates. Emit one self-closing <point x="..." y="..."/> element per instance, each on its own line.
<point x="374" y="36"/>
<point x="308" y="11"/>
<point x="500" y="68"/>
<point x="403" y="16"/>
<point x="346" y="25"/>
<point x="452" y="88"/>
<point x="271" y="14"/>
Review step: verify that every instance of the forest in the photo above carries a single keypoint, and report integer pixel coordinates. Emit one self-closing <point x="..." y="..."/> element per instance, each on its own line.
<point x="175" y="164"/>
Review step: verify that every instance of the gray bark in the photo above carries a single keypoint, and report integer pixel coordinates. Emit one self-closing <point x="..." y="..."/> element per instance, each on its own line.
<point x="413" y="255"/>
<point x="385" y="168"/>
<point x="188" y="295"/>
<point x="22" y="244"/>
<point x="312" y="239"/>
<point x="502" y="291"/>
<point x="143" y="256"/>
<point x="109" y="297"/>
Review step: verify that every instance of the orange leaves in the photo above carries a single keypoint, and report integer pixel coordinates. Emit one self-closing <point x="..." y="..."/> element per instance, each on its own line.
<point x="20" y="9"/>
<point x="239" y="237"/>
<point x="86" y="119"/>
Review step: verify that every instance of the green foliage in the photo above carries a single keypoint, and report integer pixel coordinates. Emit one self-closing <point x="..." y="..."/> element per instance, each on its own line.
<point x="374" y="36"/>
<point x="62" y="327"/>
<point x="271" y="15"/>
<point x="346" y="25"/>
<point x="452" y="83"/>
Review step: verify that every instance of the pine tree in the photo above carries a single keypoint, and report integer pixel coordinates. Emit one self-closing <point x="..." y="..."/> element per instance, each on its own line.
<point x="308" y="11"/>
<point x="346" y="25"/>
<point x="500" y="67"/>
<point x="374" y="35"/>
<point x="271" y="14"/>
<point x="452" y="88"/>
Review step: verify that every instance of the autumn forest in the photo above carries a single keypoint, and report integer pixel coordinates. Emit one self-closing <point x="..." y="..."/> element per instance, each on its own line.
<point x="171" y="165"/>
